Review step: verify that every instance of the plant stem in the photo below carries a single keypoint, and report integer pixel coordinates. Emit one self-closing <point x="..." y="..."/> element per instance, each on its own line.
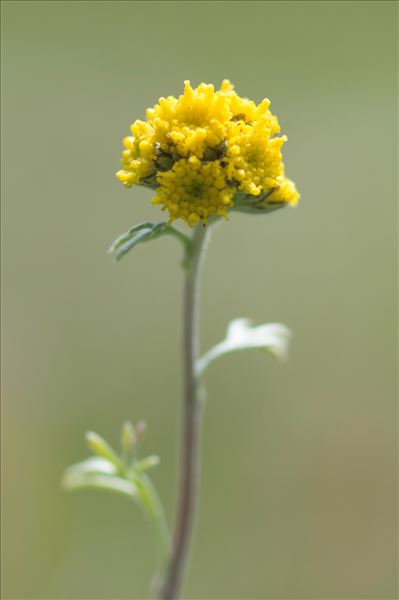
<point x="189" y="457"/>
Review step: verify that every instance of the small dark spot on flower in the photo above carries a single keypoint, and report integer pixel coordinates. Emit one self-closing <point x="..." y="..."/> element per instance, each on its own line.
<point x="215" y="153"/>
<point x="241" y="117"/>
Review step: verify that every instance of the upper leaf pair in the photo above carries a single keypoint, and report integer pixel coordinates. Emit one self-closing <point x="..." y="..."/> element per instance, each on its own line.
<point x="145" y="232"/>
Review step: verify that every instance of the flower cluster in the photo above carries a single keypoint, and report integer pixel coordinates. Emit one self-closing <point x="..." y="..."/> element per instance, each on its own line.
<point x="207" y="152"/>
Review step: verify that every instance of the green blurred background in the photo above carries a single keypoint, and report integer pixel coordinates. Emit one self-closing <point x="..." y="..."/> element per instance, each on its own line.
<point x="298" y="494"/>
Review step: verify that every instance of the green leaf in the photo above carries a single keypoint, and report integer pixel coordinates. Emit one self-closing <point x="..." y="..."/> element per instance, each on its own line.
<point x="272" y="338"/>
<point x="258" y="210"/>
<point x="74" y="480"/>
<point x="102" y="448"/>
<point x="95" y="464"/>
<point x="124" y="476"/>
<point x="145" y="232"/>
<point x="146" y="463"/>
<point x="255" y="205"/>
<point x="128" y="442"/>
<point x="148" y="500"/>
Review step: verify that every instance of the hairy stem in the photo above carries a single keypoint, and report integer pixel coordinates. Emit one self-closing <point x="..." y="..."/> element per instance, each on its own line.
<point x="189" y="457"/>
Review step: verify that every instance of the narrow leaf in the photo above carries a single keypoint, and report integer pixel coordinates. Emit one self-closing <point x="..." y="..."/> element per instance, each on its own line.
<point x="271" y="337"/>
<point x="93" y="465"/>
<point x="76" y="481"/>
<point x="145" y="232"/>
<point x="124" y="237"/>
<point x="128" y="437"/>
<point x="102" y="448"/>
<point x="146" y="463"/>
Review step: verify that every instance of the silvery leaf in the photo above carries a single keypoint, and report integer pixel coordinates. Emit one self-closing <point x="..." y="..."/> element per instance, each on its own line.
<point x="241" y="335"/>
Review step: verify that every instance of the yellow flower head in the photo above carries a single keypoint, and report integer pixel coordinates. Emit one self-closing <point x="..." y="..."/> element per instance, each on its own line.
<point x="208" y="152"/>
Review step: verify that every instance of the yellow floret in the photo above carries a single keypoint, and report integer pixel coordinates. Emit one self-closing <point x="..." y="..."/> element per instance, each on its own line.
<point x="253" y="159"/>
<point x="285" y="192"/>
<point x="202" y="148"/>
<point x="192" y="191"/>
